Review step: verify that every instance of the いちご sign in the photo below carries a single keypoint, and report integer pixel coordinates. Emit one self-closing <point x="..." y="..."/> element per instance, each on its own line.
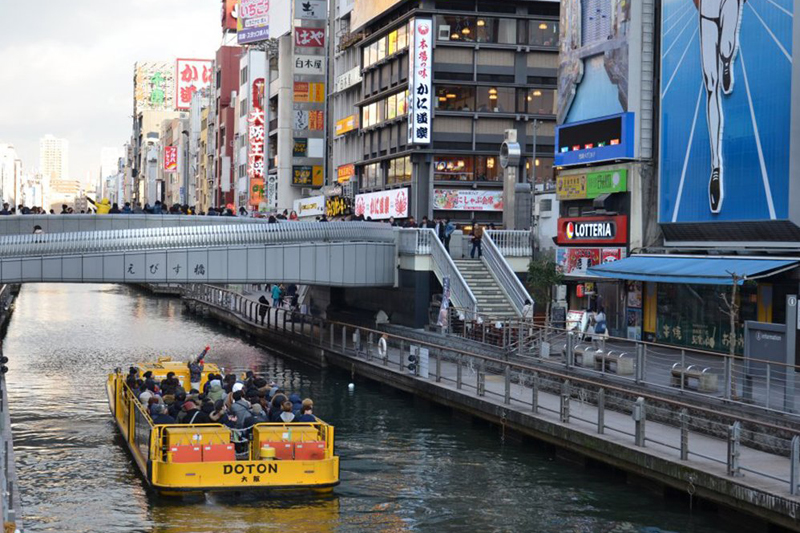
<point x="593" y="230"/>
<point x="170" y="159"/>
<point x="253" y="21"/>
<point x="420" y="72"/>
<point x="467" y="200"/>
<point x="192" y="75"/>
<point x="383" y="204"/>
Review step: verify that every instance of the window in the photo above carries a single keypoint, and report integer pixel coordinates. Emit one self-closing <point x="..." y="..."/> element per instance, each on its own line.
<point x="381" y="48"/>
<point x="487" y="168"/>
<point x="453" y="168"/>
<point x="455" y="98"/>
<point x="402" y="37"/>
<point x="392" y="48"/>
<point x="399" y="170"/>
<point x="389" y="108"/>
<point x="496" y="99"/>
<point x="455" y="28"/>
<point x="544" y="173"/>
<point x="501" y="31"/>
<point x="538" y="102"/>
<point x="371" y="176"/>
<point x="542" y="32"/>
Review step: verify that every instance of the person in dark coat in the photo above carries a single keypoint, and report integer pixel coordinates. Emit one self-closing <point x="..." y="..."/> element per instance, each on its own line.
<point x="162" y="417"/>
<point x="193" y="415"/>
<point x="263" y="307"/>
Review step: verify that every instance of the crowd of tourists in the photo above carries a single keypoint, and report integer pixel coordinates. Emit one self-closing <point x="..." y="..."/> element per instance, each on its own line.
<point x="238" y="402"/>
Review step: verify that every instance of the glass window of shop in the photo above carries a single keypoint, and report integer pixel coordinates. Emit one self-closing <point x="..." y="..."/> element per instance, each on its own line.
<point x="459" y="28"/>
<point x="399" y="170"/>
<point x="542" y="33"/>
<point x="487" y="168"/>
<point x="396" y="41"/>
<point x="496" y="99"/>
<point x="455" y="98"/>
<point x="537" y="101"/>
<point x="402" y="38"/>
<point x="371" y="176"/>
<point x="388" y="108"/>
<point x="544" y="172"/>
<point x="492" y="30"/>
<point x="694" y="316"/>
<point x="453" y="168"/>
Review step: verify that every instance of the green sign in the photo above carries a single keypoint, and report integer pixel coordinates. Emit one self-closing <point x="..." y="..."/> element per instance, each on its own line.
<point x="607" y="182"/>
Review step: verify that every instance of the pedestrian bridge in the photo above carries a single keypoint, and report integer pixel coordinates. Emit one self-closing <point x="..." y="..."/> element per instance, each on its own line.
<point x="202" y="249"/>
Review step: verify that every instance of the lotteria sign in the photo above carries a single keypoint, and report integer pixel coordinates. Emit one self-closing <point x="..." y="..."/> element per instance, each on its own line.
<point x="593" y="230"/>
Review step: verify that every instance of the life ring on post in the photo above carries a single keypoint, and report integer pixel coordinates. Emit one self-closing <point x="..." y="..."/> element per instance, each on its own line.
<point x="382" y="347"/>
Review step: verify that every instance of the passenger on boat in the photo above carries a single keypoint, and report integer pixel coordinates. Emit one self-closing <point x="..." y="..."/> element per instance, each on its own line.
<point x="276" y="406"/>
<point x="241" y="408"/>
<point x="192" y="415"/>
<point x="215" y="391"/>
<point x="287" y="415"/>
<point x="161" y="416"/>
<point x="170" y="384"/>
<point x="149" y="382"/>
<point x="144" y="395"/>
<point x="196" y="369"/>
<point x="131" y="378"/>
<point x="306" y="414"/>
<point x="259" y="415"/>
<point x="176" y="408"/>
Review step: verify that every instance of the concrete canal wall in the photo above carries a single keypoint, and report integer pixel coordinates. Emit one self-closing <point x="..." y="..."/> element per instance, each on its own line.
<point x="576" y="422"/>
<point x="10" y="504"/>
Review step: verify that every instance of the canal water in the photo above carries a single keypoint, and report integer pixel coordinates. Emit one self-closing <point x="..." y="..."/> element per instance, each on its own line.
<point x="405" y="465"/>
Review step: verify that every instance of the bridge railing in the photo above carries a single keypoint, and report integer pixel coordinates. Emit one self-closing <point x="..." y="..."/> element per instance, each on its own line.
<point x="425" y="242"/>
<point x="192" y="236"/>
<point x="506" y="277"/>
<point x="681" y="429"/>
<point x="512" y="243"/>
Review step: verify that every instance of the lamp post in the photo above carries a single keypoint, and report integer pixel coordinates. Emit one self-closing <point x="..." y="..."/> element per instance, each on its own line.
<point x="533" y="183"/>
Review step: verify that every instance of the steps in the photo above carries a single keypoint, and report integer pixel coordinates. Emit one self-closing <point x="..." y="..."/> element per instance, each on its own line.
<point x="492" y="301"/>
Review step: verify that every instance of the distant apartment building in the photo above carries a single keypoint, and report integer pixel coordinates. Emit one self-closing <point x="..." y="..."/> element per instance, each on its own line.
<point x="54" y="157"/>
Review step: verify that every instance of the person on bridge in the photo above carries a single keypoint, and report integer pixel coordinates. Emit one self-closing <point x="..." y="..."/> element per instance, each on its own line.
<point x="196" y="369"/>
<point x="477" y="237"/>
<point x="5" y="210"/>
<point x="103" y="207"/>
<point x="276" y="295"/>
<point x="262" y="307"/>
<point x="114" y="209"/>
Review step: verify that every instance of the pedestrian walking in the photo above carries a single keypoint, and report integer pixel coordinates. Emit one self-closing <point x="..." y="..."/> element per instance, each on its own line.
<point x="477" y="236"/>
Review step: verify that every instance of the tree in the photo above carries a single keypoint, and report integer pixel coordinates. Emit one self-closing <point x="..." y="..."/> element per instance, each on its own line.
<point x="732" y="310"/>
<point x="542" y="277"/>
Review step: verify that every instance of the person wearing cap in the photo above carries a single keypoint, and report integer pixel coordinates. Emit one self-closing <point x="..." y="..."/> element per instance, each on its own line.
<point x="196" y="369"/>
<point x="215" y="391"/>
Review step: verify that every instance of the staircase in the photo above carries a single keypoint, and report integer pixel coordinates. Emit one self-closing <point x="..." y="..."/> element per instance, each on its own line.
<point x="492" y="301"/>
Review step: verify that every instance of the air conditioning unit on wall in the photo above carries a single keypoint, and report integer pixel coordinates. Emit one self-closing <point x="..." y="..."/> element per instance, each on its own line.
<point x="444" y="32"/>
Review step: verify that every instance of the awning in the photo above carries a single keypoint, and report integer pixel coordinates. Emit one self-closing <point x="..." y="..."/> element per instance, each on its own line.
<point x="706" y="270"/>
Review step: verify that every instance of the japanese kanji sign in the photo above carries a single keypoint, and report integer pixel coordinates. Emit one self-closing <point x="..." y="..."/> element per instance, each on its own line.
<point x="384" y="204"/>
<point x="170" y="159"/>
<point x="191" y="76"/>
<point x="304" y="64"/>
<point x="256" y="135"/>
<point x="253" y="21"/>
<point x="310" y="9"/>
<point x="309" y="37"/>
<point x="468" y="200"/>
<point x="419" y="76"/>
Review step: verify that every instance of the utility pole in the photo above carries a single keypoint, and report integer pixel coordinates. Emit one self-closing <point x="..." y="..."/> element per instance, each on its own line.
<point x="533" y="183"/>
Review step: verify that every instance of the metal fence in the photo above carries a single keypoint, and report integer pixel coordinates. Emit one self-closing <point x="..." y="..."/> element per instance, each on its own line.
<point x="701" y="436"/>
<point x="505" y="275"/>
<point x="512" y="243"/>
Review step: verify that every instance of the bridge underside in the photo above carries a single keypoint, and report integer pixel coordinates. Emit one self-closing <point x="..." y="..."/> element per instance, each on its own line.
<point x="336" y="264"/>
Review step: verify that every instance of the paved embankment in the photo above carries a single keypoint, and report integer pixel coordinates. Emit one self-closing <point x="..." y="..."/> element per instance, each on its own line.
<point x="10" y="504"/>
<point x="587" y="418"/>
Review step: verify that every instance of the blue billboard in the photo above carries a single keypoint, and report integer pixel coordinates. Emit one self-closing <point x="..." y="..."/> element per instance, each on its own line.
<point x="726" y="91"/>
<point x="592" y="141"/>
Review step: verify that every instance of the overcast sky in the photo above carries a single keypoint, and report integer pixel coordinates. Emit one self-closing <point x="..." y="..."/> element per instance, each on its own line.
<point x="66" y="67"/>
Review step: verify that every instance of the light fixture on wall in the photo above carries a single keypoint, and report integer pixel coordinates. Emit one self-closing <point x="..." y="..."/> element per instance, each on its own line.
<point x="481" y="22"/>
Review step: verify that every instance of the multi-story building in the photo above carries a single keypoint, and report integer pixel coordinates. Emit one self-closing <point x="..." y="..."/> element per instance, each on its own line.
<point x="226" y="85"/>
<point x="250" y="129"/>
<point x="204" y="178"/>
<point x="10" y="174"/>
<point x="477" y="69"/>
<point x="54" y="157"/>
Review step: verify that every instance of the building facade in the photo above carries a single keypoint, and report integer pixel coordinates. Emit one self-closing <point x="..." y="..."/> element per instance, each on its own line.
<point x="54" y="157"/>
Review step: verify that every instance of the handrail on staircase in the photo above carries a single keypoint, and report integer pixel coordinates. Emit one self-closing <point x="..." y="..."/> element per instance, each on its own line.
<point x="506" y="277"/>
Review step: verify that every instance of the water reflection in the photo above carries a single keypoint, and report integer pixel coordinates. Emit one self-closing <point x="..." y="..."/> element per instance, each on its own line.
<point x="406" y="465"/>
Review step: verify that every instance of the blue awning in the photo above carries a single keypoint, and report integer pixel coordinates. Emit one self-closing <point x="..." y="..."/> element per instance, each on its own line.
<point x="706" y="270"/>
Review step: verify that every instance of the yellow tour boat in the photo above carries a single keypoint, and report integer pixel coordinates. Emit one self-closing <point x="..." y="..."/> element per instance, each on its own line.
<point x="181" y="458"/>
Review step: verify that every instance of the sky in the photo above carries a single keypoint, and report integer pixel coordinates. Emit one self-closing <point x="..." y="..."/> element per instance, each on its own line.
<point x="66" y="68"/>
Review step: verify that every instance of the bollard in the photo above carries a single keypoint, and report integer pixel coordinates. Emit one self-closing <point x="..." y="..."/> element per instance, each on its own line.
<point x="727" y="378"/>
<point x="333" y="334"/>
<point x="438" y="356"/>
<point x="458" y="372"/>
<point x="794" y="466"/>
<point x="535" y="393"/>
<point x="507" y="397"/>
<point x="684" y="418"/>
<point x="357" y="341"/>
<point x="565" y="393"/>
<point x="639" y="363"/>
<point x="769" y="378"/>
<point x="570" y="350"/>
<point x="601" y="411"/>
<point x="402" y="351"/>
<point x="369" y="343"/>
<point x="639" y="417"/>
<point x="344" y="339"/>
<point x="734" y="437"/>
<point x="481" y="386"/>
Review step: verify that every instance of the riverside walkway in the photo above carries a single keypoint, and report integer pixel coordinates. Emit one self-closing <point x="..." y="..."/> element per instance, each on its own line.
<point x="742" y="463"/>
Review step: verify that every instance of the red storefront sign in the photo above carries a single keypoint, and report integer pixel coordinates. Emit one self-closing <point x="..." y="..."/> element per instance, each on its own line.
<point x="593" y="230"/>
<point x="309" y="37"/>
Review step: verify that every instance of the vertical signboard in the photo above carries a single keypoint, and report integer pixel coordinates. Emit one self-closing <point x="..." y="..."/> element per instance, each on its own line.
<point x="310" y="9"/>
<point x="192" y="75"/>
<point x="726" y="111"/>
<point x="419" y="76"/>
<point x="256" y="136"/>
<point x="309" y="37"/>
<point x="170" y="159"/>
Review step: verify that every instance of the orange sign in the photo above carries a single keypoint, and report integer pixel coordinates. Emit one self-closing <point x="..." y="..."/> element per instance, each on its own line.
<point x="346" y="124"/>
<point x="316" y="120"/>
<point x="345" y="172"/>
<point x="256" y="191"/>
<point x="301" y="91"/>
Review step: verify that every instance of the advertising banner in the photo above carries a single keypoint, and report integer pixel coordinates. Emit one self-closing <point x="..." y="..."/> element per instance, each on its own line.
<point x="383" y="204"/>
<point x="345" y="173"/>
<point x="305" y="92"/>
<point x="300" y="148"/>
<point x="255" y="155"/>
<point x="257" y="187"/>
<point x="229" y="8"/>
<point x="301" y="175"/>
<point x="337" y="206"/>
<point x="575" y="261"/>
<point x="192" y="76"/>
<point x="253" y="21"/>
<point x="420" y="126"/>
<point x="593" y="230"/>
<point x="348" y="79"/>
<point x="346" y="124"/>
<point x="592" y="141"/>
<point x="309" y="37"/>
<point x="170" y="159"/>
<point x="467" y="200"/>
<point x="591" y="185"/>
<point x="310" y="207"/>
<point x="726" y="111"/>
<point x="305" y="64"/>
